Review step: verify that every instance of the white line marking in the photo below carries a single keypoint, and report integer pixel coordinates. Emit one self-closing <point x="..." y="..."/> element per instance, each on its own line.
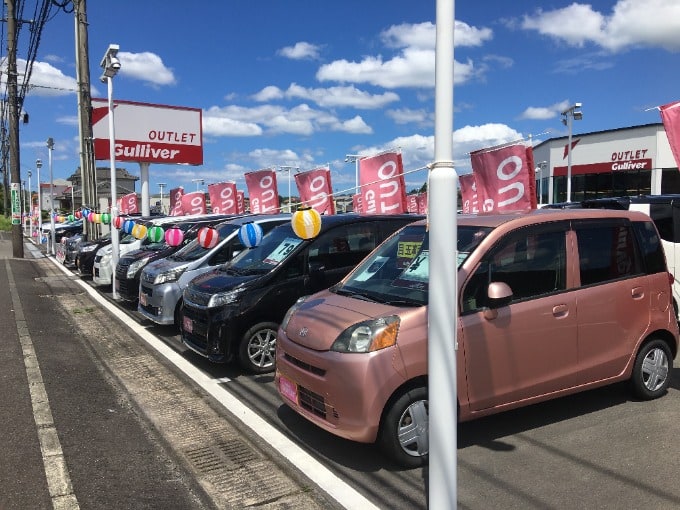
<point x="336" y="488"/>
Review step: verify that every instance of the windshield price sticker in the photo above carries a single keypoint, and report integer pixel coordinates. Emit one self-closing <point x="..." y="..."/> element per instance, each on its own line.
<point x="416" y="275"/>
<point x="282" y="250"/>
<point x="407" y="249"/>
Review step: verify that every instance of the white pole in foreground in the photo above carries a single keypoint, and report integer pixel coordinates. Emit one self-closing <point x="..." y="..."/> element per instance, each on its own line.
<point x="442" y="310"/>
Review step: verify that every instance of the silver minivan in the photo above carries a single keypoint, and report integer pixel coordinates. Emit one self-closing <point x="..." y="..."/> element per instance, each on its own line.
<point x="163" y="281"/>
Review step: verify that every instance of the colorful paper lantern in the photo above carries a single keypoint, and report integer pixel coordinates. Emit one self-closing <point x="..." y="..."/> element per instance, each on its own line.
<point x="96" y="218"/>
<point x="139" y="231"/>
<point x="128" y="225"/>
<point x="306" y="223"/>
<point x="208" y="237"/>
<point x="106" y="218"/>
<point x="85" y="213"/>
<point x="250" y="234"/>
<point x="155" y="234"/>
<point x="71" y="217"/>
<point x="118" y="221"/>
<point x="174" y="236"/>
<point x="78" y="215"/>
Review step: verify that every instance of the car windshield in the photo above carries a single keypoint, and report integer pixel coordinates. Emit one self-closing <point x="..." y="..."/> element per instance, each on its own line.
<point x="275" y="247"/>
<point x="194" y="251"/>
<point x="397" y="273"/>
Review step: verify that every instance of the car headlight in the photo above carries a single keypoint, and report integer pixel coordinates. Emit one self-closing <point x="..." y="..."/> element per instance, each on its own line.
<point x="224" y="298"/>
<point x="134" y="268"/>
<point x="106" y="259"/>
<point x="291" y="311"/>
<point x="88" y="249"/>
<point x="169" y="276"/>
<point x="368" y="336"/>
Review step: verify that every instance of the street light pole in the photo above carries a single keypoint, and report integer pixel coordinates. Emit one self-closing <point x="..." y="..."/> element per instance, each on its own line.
<point x="50" y="147"/>
<point x="199" y="183"/>
<point x="30" y="208"/>
<point x="354" y="158"/>
<point x="161" y="185"/>
<point x="111" y="66"/>
<point x="288" y="169"/>
<point x="541" y="166"/>
<point x="568" y="117"/>
<point x="38" y="166"/>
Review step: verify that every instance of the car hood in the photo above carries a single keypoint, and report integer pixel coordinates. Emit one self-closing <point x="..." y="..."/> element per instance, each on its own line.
<point x="216" y="281"/>
<point x="318" y="322"/>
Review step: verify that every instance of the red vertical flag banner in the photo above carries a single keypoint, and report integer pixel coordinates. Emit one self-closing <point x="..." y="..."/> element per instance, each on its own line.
<point x="412" y="203"/>
<point x="262" y="191"/>
<point x="422" y="203"/>
<point x="315" y="190"/>
<point x="670" y="115"/>
<point x="194" y="203"/>
<point x="504" y="178"/>
<point x="223" y="197"/>
<point x="128" y="204"/>
<point x="383" y="190"/>
<point x="176" y="201"/>
<point x="356" y="204"/>
<point x="468" y="193"/>
<point x="240" y="202"/>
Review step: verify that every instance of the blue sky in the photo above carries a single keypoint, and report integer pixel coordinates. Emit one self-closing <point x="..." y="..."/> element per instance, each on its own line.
<point x="303" y="83"/>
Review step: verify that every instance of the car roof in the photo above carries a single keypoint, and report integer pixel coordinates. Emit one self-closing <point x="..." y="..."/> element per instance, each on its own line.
<point x="523" y="218"/>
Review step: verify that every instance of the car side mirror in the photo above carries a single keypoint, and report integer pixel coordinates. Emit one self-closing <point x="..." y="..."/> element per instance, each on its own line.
<point x="499" y="294"/>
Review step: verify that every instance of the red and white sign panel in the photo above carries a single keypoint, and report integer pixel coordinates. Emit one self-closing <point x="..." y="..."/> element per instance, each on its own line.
<point x="505" y="178"/>
<point x="223" y="197"/>
<point x="240" y="202"/>
<point x="468" y="194"/>
<point x="148" y="132"/>
<point x="262" y="191"/>
<point x="315" y="190"/>
<point x="194" y="203"/>
<point x="128" y="204"/>
<point x="176" y="201"/>
<point x="670" y="115"/>
<point x="383" y="190"/>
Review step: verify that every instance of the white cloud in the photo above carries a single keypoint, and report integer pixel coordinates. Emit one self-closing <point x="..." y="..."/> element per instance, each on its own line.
<point x="544" y="112"/>
<point x="408" y="116"/>
<point x="45" y="80"/>
<point x="145" y="66"/>
<point x="423" y="35"/>
<point x="269" y="93"/>
<point x="301" y="51"/>
<point x="649" y="23"/>
<point x="348" y="96"/>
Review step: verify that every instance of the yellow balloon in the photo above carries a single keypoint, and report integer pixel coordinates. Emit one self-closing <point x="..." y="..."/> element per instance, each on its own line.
<point x="139" y="231"/>
<point x="306" y="223"/>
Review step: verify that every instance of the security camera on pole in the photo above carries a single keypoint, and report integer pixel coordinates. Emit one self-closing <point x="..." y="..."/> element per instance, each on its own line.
<point x="111" y="66"/>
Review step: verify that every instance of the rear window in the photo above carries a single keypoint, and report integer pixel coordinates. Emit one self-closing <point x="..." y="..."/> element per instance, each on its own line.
<point x="607" y="252"/>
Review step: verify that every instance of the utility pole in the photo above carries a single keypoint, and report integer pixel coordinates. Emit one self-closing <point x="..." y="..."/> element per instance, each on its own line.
<point x="88" y="177"/>
<point x="17" y="234"/>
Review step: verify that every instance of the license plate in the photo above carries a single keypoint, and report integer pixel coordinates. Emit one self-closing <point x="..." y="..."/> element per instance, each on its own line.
<point x="288" y="388"/>
<point x="187" y="324"/>
<point x="142" y="298"/>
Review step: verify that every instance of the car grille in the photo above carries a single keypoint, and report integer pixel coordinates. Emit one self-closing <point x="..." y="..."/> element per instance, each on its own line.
<point x="198" y="337"/>
<point x="312" y="402"/>
<point x="128" y="289"/>
<point x="304" y="366"/>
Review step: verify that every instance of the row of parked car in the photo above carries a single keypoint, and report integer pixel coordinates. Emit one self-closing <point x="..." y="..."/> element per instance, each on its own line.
<point x="550" y="302"/>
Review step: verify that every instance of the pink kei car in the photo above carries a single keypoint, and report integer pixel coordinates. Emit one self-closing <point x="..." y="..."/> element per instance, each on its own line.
<point x="550" y="302"/>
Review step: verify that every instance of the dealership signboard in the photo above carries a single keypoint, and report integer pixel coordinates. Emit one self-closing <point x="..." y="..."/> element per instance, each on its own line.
<point x="148" y="133"/>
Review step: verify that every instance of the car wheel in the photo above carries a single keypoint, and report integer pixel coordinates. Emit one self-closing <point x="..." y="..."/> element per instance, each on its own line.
<point x="257" y="351"/>
<point x="652" y="370"/>
<point x="405" y="427"/>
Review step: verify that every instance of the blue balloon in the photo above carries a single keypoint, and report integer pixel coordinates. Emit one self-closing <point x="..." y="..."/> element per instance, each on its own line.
<point x="250" y="235"/>
<point x="128" y="225"/>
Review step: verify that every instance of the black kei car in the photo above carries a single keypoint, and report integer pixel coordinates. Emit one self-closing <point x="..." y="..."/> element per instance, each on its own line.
<point x="86" y="252"/>
<point x="130" y="265"/>
<point x="234" y="311"/>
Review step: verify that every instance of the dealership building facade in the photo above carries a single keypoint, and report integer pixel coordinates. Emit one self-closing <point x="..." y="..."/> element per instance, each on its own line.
<point x="628" y="161"/>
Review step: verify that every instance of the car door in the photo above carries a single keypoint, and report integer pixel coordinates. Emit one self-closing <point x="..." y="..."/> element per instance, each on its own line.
<point x="613" y="295"/>
<point x="530" y="347"/>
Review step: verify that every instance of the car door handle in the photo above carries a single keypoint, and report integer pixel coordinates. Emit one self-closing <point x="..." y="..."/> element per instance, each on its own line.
<point x="560" y="311"/>
<point x="637" y="292"/>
